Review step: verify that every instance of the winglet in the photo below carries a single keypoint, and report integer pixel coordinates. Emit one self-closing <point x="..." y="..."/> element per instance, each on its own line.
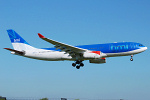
<point x="40" y="35"/>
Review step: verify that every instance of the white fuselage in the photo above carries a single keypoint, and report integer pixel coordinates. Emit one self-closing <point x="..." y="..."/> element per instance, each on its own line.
<point x="51" y="55"/>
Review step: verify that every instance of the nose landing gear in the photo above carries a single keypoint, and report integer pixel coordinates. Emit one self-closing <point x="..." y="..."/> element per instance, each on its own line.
<point x="78" y="64"/>
<point x="131" y="59"/>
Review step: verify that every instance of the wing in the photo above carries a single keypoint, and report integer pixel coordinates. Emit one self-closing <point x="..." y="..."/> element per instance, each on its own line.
<point x="64" y="47"/>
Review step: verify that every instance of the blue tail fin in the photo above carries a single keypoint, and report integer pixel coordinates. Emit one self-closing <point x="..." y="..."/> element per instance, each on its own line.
<point x="15" y="38"/>
<point x="18" y="42"/>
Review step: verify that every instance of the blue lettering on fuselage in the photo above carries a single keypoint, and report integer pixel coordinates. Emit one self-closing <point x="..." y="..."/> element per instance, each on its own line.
<point x="119" y="47"/>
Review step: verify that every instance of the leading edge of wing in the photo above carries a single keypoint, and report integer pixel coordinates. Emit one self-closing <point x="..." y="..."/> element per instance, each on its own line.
<point x="63" y="47"/>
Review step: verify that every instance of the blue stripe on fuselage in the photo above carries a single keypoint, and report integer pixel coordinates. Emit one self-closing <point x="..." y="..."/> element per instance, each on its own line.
<point x="109" y="47"/>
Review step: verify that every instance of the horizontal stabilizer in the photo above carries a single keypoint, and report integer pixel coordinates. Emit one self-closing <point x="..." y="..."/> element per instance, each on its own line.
<point x="17" y="52"/>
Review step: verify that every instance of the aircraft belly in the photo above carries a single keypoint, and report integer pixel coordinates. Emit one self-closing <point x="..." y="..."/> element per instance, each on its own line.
<point x="124" y="53"/>
<point x="54" y="56"/>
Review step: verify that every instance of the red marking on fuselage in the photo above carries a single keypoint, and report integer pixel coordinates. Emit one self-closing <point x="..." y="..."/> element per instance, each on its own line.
<point x="103" y="58"/>
<point x="97" y="52"/>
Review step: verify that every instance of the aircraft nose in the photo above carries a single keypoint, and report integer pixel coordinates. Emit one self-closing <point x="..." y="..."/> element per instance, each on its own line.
<point x="144" y="48"/>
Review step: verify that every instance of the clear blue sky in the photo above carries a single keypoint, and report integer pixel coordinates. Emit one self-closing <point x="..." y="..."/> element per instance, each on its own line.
<point x="75" y="22"/>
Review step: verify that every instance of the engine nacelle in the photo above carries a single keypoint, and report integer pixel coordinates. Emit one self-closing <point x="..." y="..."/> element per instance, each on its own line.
<point x="98" y="61"/>
<point x="91" y="55"/>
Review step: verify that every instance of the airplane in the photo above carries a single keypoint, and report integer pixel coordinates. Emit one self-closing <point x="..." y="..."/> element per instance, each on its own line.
<point x="95" y="53"/>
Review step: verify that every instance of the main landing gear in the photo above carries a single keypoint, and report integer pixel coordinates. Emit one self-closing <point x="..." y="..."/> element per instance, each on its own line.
<point x="131" y="59"/>
<point x="78" y="64"/>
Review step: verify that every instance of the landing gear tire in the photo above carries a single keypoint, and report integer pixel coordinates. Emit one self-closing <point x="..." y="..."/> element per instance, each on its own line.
<point x="73" y="64"/>
<point x="131" y="59"/>
<point x="77" y="62"/>
<point x="78" y="67"/>
<point x="81" y="64"/>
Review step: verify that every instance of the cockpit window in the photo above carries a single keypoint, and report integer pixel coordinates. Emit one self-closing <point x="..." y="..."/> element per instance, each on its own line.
<point x="140" y="45"/>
